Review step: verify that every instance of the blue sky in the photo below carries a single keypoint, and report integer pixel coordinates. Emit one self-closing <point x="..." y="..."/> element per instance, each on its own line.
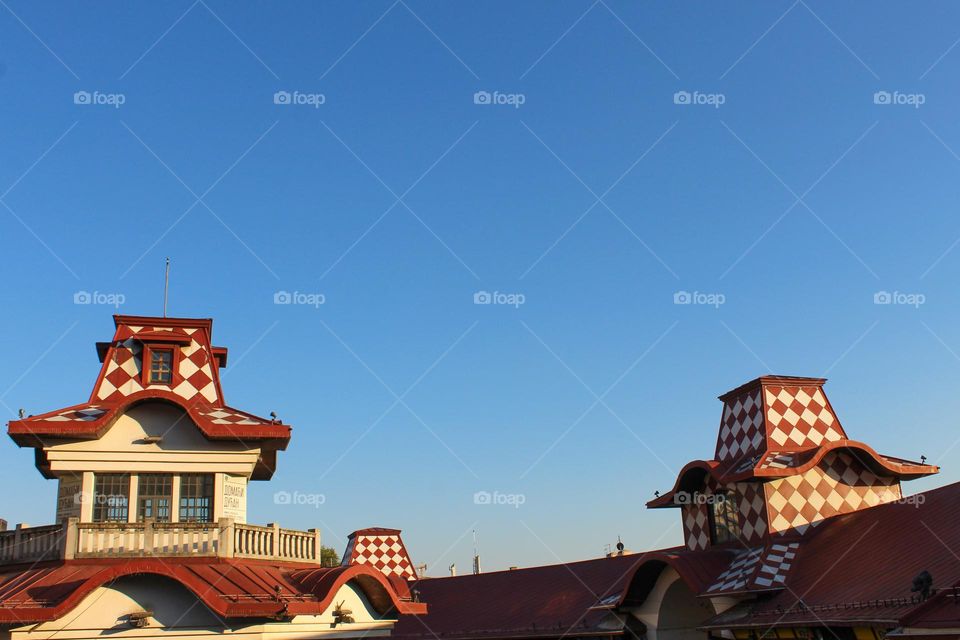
<point x="785" y="187"/>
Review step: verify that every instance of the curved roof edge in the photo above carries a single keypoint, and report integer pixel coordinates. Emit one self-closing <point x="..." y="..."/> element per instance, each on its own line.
<point x="26" y="431"/>
<point x="322" y="584"/>
<point x="696" y="569"/>
<point x="809" y="458"/>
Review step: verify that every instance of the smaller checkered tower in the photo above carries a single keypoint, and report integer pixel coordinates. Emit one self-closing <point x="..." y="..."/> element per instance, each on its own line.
<point x="381" y="548"/>
<point x="783" y="464"/>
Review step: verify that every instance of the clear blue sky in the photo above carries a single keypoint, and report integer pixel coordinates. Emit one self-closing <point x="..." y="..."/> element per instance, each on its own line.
<point x="797" y="199"/>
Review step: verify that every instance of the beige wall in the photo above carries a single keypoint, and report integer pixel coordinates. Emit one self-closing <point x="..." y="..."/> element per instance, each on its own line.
<point x="183" y="449"/>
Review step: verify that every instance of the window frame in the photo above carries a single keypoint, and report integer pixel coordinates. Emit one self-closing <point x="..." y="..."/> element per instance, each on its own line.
<point x="156" y="497"/>
<point x="102" y="509"/>
<point x="728" y="530"/>
<point x="188" y="511"/>
<point x="147" y="364"/>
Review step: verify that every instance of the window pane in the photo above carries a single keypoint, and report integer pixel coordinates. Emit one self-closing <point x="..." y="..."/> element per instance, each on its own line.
<point x="724" y="524"/>
<point x="196" y="497"/>
<point x="161" y="366"/>
<point x="154" y="497"/>
<point x="111" y="495"/>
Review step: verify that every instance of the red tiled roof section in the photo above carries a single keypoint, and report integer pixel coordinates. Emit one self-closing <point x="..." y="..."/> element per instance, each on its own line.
<point x="535" y="601"/>
<point x="861" y="566"/>
<point x="232" y="588"/>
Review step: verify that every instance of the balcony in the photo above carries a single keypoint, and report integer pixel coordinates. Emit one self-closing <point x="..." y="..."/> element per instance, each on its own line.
<point x="72" y="539"/>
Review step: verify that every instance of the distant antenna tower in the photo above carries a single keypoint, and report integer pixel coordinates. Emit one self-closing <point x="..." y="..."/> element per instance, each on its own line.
<point x="476" y="554"/>
<point x="166" y="286"/>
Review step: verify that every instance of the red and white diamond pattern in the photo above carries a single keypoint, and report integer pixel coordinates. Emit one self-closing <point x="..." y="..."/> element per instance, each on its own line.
<point x="228" y="416"/>
<point x="752" y="515"/>
<point x="696" y="528"/>
<point x="779" y="460"/>
<point x="737" y="575"/>
<point x="123" y="373"/>
<point x="741" y="427"/>
<point x="800" y="416"/>
<point x="385" y="553"/>
<point x="839" y="484"/>
<point x="776" y="564"/>
<point x="759" y="567"/>
<point x="88" y="413"/>
<point x="753" y="512"/>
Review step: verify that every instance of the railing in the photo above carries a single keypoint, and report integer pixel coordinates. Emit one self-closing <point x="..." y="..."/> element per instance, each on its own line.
<point x="251" y="541"/>
<point x="226" y="538"/>
<point x="31" y="544"/>
<point x="108" y="539"/>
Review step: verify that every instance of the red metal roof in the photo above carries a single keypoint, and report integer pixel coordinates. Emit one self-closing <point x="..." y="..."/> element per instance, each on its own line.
<point x="524" y="602"/>
<point x="555" y="600"/>
<point x="231" y="588"/>
<point x="860" y="566"/>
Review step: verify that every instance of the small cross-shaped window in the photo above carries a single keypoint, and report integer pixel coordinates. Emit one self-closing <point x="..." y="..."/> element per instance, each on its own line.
<point x="161" y="366"/>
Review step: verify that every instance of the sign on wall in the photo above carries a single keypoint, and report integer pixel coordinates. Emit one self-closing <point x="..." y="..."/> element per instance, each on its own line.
<point x="234" y="498"/>
<point x="69" y="497"/>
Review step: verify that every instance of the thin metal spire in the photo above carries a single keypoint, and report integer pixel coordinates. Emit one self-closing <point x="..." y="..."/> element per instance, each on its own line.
<point x="166" y="287"/>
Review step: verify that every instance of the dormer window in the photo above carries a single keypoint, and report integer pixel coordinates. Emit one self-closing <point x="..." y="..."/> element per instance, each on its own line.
<point x="159" y="364"/>
<point x="724" y="524"/>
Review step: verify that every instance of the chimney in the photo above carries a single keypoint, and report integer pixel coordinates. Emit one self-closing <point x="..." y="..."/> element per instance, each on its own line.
<point x="453" y="570"/>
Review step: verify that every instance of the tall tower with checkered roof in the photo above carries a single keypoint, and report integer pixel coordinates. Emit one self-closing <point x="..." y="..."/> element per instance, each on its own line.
<point x="156" y="439"/>
<point x="783" y="464"/>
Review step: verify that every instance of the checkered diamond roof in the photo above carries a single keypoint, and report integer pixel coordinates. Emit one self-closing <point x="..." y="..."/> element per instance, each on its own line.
<point x="382" y="549"/>
<point x="195" y="386"/>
